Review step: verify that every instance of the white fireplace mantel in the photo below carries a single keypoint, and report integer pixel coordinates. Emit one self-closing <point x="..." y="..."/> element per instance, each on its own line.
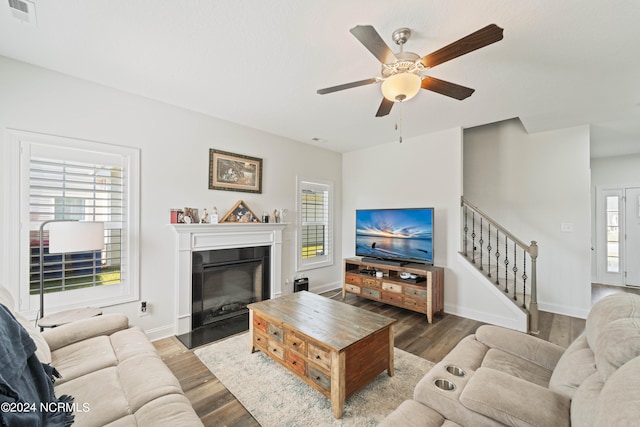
<point x="203" y="237"/>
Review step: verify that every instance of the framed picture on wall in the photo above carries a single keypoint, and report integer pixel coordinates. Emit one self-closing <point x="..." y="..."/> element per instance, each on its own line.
<point x="234" y="172"/>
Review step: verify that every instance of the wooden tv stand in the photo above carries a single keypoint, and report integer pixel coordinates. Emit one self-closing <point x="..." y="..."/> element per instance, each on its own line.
<point x="424" y="294"/>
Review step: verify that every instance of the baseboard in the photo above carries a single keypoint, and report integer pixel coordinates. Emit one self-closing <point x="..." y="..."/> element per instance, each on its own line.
<point x="484" y="317"/>
<point x="325" y="287"/>
<point x="159" y="333"/>
<point x="564" y="310"/>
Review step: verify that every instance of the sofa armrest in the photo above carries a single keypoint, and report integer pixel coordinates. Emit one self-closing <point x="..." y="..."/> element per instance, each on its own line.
<point x="84" y="329"/>
<point x="533" y="349"/>
<point x="514" y="401"/>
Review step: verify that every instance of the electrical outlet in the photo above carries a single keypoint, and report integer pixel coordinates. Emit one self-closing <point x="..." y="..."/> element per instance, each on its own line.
<point x="144" y="309"/>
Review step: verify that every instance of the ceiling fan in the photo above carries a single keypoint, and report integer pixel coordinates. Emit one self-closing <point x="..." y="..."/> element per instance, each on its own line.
<point x="404" y="73"/>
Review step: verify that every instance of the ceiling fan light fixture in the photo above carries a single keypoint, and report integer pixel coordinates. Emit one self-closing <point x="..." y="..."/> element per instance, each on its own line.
<point x="401" y="87"/>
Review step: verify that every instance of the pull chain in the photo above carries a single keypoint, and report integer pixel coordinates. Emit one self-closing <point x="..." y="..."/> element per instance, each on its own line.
<point x="396" y="127"/>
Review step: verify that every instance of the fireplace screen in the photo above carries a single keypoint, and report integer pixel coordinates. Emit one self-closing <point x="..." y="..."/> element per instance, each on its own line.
<point x="225" y="281"/>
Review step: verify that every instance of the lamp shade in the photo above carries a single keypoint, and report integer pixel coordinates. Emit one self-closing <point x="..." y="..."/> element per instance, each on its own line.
<point x="401" y="86"/>
<point x="75" y="236"/>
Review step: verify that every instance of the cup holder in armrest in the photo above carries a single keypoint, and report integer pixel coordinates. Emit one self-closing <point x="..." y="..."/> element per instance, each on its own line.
<point x="454" y="370"/>
<point x="445" y="385"/>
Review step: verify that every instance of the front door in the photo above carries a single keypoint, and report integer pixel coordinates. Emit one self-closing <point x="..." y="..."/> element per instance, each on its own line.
<point x="632" y="237"/>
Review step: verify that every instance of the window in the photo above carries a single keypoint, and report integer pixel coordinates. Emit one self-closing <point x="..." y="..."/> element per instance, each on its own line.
<point x="315" y="216"/>
<point x="68" y="179"/>
<point x="613" y="233"/>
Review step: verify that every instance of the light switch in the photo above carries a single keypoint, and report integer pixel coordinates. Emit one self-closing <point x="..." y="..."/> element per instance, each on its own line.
<point x="566" y="227"/>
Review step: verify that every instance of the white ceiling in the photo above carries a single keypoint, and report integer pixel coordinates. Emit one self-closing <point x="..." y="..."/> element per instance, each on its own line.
<point x="259" y="63"/>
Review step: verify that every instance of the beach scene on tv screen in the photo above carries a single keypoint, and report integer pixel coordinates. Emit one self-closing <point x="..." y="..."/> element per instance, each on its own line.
<point x="395" y="234"/>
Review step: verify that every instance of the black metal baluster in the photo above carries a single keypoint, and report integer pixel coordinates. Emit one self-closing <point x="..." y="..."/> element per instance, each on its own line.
<point x="489" y="252"/>
<point x="515" y="271"/>
<point x="497" y="257"/>
<point x="524" y="282"/>
<point x="473" y="236"/>
<point x="466" y="229"/>
<point x="506" y="265"/>
<point x="480" y="242"/>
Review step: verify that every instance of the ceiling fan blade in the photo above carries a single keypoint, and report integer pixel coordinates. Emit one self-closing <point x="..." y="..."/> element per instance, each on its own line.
<point x="446" y="88"/>
<point x="346" y="86"/>
<point x="481" y="38"/>
<point x="385" y="107"/>
<point x="370" y="38"/>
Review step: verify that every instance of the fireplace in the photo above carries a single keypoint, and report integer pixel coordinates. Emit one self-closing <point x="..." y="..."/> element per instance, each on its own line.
<point x="201" y="247"/>
<point x="225" y="281"/>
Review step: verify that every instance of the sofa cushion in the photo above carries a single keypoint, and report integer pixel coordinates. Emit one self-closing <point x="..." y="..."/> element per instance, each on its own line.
<point x="83" y="357"/>
<point x="617" y="343"/>
<point x="447" y="402"/>
<point x="514" y="401"/>
<point x="533" y="349"/>
<point x="609" y="309"/>
<point x="468" y="353"/>
<point x="576" y="364"/>
<point x="583" y="404"/>
<point x="413" y="414"/>
<point x="131" y="342"/>
<point x="144" y="385"/>
<point x="98" y="396"/>
<point x="169" y="410"/>
<point x="516" y="366"/>
<point x="619" y="401"/>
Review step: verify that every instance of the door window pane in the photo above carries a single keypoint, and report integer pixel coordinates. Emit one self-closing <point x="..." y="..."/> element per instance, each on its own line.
<point x="613" y="234"/>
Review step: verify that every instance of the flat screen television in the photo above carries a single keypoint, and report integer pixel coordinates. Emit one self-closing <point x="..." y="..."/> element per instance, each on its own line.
<point x="396" y="236"/>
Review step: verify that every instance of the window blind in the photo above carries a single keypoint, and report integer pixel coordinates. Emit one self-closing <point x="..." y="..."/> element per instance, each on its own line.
<point x="82" y="191"/>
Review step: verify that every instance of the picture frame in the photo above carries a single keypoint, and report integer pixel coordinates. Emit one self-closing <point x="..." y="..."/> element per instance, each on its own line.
<point x="190" y="216"/>
<point x="234" y="172"/>
<point x="240" y="213"/>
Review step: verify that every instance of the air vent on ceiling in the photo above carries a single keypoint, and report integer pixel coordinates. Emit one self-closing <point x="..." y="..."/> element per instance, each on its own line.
<point x="24" y="11"/>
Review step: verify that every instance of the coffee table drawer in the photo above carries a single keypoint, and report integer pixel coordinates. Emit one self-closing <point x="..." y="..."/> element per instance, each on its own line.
<point x="296" y="363"/>
<point x="295" y="342"/>
<point x="260" y="340"/>
<point x="319" y="377"/>
<point x="352" y="288"/>
<point x="275" y="332"/>
<point x="319" y="356"/>
<point x="259" y="323"/>
<point x="275" y="349"/>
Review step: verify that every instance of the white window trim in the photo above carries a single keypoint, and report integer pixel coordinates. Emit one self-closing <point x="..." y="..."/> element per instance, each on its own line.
<point x="325" y="261"/>
<point x="16" y="226"/>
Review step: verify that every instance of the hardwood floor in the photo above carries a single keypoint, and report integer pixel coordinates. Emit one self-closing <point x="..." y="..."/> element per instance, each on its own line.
<point x="216" y="406"/>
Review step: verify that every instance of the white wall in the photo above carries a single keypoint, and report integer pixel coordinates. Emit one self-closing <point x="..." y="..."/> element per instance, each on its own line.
<point x="174" y="146"/>
<point x="424" y="171"/>
<point x="531" y="184"/>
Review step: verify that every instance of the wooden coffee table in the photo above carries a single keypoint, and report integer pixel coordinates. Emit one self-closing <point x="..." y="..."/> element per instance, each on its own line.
<point x="334" y="347"/>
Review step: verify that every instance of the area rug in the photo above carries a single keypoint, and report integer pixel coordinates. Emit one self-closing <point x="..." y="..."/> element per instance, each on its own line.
<point x="277" y="398"/>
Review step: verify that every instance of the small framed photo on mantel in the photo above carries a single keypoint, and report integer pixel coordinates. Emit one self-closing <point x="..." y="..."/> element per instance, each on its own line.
<point x="234" y="172"/>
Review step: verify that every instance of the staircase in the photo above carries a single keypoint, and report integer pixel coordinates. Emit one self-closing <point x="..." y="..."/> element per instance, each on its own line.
<point x="503" y="259"/>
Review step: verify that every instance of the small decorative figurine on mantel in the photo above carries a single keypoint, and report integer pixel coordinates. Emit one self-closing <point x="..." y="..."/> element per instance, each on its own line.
<point x="276" y="216"/>
<point x="205" y="217"/>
